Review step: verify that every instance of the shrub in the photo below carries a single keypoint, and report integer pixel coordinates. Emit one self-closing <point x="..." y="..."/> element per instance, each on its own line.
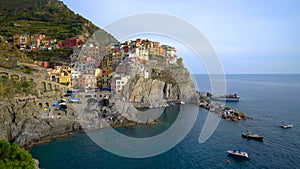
<point x="11" y="156"/>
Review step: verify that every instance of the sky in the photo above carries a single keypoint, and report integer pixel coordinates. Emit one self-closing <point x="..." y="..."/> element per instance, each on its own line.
<point x="249" y="36"/>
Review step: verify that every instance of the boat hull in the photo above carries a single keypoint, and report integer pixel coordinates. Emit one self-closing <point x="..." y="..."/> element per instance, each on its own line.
<point x="287" y="126"/>
<point x="224" y="99"/>
<point x="243" y="155"/>
<point x="254" y="137"/>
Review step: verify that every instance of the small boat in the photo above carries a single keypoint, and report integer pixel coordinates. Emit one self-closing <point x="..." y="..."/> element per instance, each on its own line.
<point x="61" y="106"/>
<point x="154" y="107"/>
<point x="226" y="97"/>
<point x="75" y="100"/>
<point x="286" y="126"/>
<point x="172" y="104"/>
<point x="151" y="107"/>
<point x="249" y="135"/>
<point x="59" y="101"/>
<point x="238" y="153"/>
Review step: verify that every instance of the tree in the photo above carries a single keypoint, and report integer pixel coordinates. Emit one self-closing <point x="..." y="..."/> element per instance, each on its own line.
<point x="18" y="46"/>
<point x="11" y="156"/>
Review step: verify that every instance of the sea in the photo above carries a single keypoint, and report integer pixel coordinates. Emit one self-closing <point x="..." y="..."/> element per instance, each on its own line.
<point x="270" y="100"/>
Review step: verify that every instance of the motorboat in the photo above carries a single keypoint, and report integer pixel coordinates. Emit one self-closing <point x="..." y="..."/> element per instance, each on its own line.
<point x="286" y="126"/>
<point x="249" y="135"/>
<point x="226" y="97"/>
<point x="238" y="153"/>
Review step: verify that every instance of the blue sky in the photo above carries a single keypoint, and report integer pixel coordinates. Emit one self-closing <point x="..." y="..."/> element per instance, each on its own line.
<point x="249" y="36"/>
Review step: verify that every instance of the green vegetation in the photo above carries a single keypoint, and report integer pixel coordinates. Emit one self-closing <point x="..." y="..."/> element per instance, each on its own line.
<point x="162" y="76"/>
<point x="10" y="55"/>
<point x="11" y="156"/>
<point x="57" y="55"/>
<point x="9" y="88"/>
<point x="50" y="17"/>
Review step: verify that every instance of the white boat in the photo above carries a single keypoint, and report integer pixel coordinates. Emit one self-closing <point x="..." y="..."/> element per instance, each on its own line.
<point x="238" y="153"/>
<point x="75" y="100"/>
<point x="226" y="97"/>
<point x="285" y="126"/>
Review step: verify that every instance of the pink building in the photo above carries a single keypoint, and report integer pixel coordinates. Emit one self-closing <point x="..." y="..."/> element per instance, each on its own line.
<point x="71" y="42"/>
<point x="46" y="65"/>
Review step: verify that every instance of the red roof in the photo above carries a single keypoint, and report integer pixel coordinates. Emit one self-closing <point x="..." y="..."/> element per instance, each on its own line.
<point x="107" y="73"/>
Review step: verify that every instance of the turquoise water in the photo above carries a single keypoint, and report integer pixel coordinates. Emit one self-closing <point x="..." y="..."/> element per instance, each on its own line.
<point x="269" y="99"/>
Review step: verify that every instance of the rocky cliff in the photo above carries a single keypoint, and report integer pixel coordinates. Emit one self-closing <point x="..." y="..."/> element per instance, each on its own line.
<point x="21" y="123"/>
<point x="165" y="83"/>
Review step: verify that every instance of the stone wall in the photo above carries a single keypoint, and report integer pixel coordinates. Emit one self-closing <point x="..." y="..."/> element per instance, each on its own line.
<point x="41" y="84"/>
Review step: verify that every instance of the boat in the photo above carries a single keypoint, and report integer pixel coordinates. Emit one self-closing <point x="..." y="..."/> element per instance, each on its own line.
<point x="75" y="100"/>
<point x="154" y="106"/>
<point x="249" y="135"/>
<point x="59" y="101"/>
<point x="61" y="106"/>
<point x="286" y="126"/>
<point x="226" y="97"/>
<point x="238" y="153"/>
<point x="171" y="104"/>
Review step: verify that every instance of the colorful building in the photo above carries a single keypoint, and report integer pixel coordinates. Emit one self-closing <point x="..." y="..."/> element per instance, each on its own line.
<point x="87" y="81"/>
<point x="71" y="42"/>
<point x="162" y="51"/>
<point x="119" y="82"/>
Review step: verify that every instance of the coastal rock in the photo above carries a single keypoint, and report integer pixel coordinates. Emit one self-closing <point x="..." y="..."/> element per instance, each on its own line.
<point x="26" y="139"/>
<point x="150" y="121"/>
<point x="36" y="163"/>
<point x="171" y="82"/>
<point x="220" y="109"/>
<point x="22" y="124"/>
<point x="156" y="94"/>
<point x="124" y="107"/>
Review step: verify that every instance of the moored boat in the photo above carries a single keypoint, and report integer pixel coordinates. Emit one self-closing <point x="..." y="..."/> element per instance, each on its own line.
<point x="286" y="126"/>
<point x="226" y="97"/>
<point x="249" y="135"/>
<point x="238" y="153"/>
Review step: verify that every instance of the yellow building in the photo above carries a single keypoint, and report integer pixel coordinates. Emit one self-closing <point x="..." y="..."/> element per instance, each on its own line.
<point x="65" y="78"/>
<point x="98" y="72"/>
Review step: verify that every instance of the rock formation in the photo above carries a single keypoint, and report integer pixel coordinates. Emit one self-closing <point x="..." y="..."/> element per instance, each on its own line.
<point x="21" y="123"/>
<point x="172" y="83"/>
